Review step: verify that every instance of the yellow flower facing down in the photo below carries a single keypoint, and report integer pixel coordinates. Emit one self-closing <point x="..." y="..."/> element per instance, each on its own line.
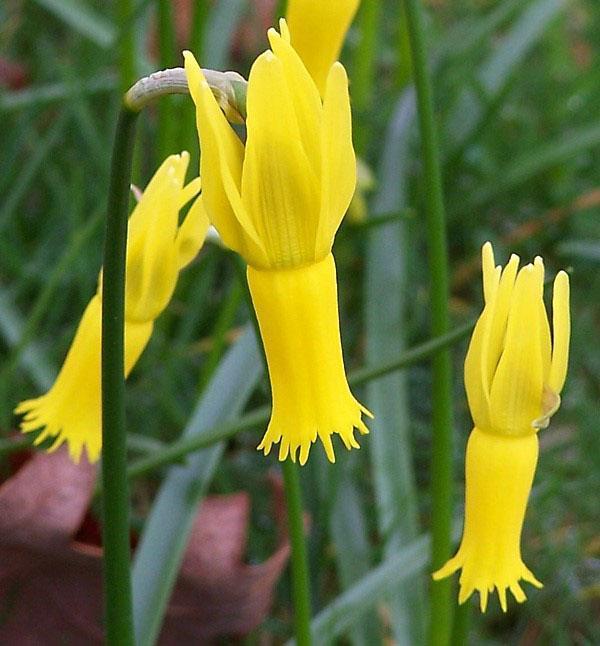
<point x="514" y="372"/>
<point x="318" y="29"/>
<point x="278" y="201"/>
<point x="157" y="250"/>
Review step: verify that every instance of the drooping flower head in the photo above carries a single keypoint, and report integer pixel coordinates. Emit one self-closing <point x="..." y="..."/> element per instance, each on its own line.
<point x="278" y="201"/>
<point x="514" y="372"/>
<point x="318" y="29"/>
<point x="158" y="248"/>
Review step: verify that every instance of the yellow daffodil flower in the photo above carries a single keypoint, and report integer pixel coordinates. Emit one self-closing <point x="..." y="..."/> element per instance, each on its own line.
<point x="278" y="201"/>
<point x="514" y="372"/>
<point x="318" y="29"/>
<point x="157" y="250"/>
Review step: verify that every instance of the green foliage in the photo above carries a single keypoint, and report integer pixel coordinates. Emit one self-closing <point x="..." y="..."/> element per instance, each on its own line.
<point x="516" y="86"/>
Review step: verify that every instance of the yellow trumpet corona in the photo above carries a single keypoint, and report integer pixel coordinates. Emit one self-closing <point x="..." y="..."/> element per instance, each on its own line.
<point x="318" y="29"/>
<point x="514" y="372"/>
<point x="157" y="250"/>
<point x="278" y="201"/>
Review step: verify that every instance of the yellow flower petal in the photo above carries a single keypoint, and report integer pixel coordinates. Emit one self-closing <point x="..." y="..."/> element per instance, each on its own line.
<point x="488" y="267"/>
<point x="561" y="328"/>
<point x="297" y="313"/>
<point x="304" y="96"/>
<point x="317" y="31"/>
<point x="494" y="341"/>
<point x="338" y="159"/>
<point x="279" y="187"/>
<point x="71" y="410"/>
<point x="192" y="233"/>
<point x="476" y="394"/>
<point x="221" y="168"/>
<point x="545" y="340"/>
<point x="157" y="249"/>
<point x="499" y="473"/>
<point x="516" y="393"/>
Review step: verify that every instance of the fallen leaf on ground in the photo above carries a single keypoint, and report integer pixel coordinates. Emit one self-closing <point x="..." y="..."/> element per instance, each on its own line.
<point x="50" y="582"/>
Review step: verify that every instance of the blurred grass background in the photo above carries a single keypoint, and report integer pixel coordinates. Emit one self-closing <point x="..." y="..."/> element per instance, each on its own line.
<point x="517" y="89"/>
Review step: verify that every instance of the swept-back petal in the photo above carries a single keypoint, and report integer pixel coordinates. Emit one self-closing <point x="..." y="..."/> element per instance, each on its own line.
<point x="338" y="159"/>
<point x="192" y="233"/>
<point x="220" y="166"/>
<point x="486" y="358"/>
<point x="318" y="28"/>
<point x="561" y="329"/>
<point x="151" y="264"/>
<point x="305" y="98"/>
<point x="279" y="187"/>
<point x="488" y="265"/>
<point x="545" y="340"/>
<point x="495" y="334"/>
<point x="515" y="397"/>
<point x="477" y="396"/>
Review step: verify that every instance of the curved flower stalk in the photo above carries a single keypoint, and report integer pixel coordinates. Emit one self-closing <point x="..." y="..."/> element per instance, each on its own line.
<point x="318" y="29"/>
<point x="157" y="250"/>
<point x="514" y="372"/>
<point x="278" y="201"/>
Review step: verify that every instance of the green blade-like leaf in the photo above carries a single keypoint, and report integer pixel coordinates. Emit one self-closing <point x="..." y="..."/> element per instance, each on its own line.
<point x="350" y="606"/>
<point x="495" y="74"/>
<point x="527" y="166"/>
<point x="222" y="23"/>
<point x="40" y="95"/>
<point x="162" y="545"/>
<point x="350" y="535"/>
<point x="82" y="19"/>
<point x="389" y="445"/>
<point x="31" y="168"/>
<point x="32" y="357"/>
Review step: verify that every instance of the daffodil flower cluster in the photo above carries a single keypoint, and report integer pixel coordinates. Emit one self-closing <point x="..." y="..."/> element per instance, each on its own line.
<point x="158" y="248"/>
<point x="514" y="372"/>
<point x="278" y="200"/>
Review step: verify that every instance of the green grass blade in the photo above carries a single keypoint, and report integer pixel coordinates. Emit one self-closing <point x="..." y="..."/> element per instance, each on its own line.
<point x="30" y="170"/>
<point x="389" y="444"/>
<point x="517" y="43"/>
<point x="83" y="20"/>
<point x="165" y="535"/>
<point x="43" y="94"/>
<point x="32" y="358"/>
<point x="532" y="163"/>
<point x="474" y="31"/>
<point x="350" y="607"/>
<point x="470" y="116"/>
<point x="221" y="25"/>
<point x="30" y="327"/>
<point x="350" y="535"/>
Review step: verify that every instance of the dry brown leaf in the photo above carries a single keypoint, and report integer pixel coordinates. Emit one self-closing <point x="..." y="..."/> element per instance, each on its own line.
<point x="50" y="582"/>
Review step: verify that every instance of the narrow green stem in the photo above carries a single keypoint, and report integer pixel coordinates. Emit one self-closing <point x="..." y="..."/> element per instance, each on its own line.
<point x="462" y="623"/>
<point x="299" y="558"/>
<point x="281" y="9"/>
<point x="363" y="77"/>
<point x="126" y="44"/>
<point x="295" y="513"/>
<point x="199" y="19"/>
<point x="167" y="110"/>
<point x="115" y="507"/>
<point x="441" y="462"/>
